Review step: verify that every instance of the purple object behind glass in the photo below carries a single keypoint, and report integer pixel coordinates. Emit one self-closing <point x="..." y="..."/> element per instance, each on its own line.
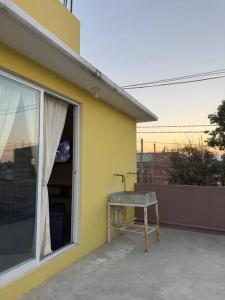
<point x="63" y="152"/>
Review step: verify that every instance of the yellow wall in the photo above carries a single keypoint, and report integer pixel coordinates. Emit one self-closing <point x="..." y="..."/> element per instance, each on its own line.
<point x="108" y="145"/>
<point x="56" y="18"/>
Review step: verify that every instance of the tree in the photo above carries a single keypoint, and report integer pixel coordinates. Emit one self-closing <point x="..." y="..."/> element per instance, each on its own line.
<point x="222" y="170"/>
<point x="217" y="136"/>
<point x="193" y="166"/>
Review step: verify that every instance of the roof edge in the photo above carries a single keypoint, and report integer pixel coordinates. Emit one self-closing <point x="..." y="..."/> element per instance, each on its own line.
<point x="11" y="8"/>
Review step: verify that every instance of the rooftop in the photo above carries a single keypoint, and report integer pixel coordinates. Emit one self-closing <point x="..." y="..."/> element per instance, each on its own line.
<point x="185" y="265"/>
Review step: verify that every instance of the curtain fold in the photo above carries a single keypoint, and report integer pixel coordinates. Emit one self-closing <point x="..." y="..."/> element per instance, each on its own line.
<point x="54" y="120"/>
<point x="10" y="95"/>
<point x="31" y="106"/>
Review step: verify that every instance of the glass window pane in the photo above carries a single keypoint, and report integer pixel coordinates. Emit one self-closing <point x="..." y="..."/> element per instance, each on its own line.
<point x="19" y="126"/>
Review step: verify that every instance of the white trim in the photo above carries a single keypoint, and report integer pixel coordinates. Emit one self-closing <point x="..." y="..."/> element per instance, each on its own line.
<point x="40" y="162"/>
<point x="76" y="176"/>
<point x="19" y="80"/>
<point x="58" y="252"/>
<point x="39" y="88"/>
<point x="60" y="97"/>
<point x="17" y="271"/>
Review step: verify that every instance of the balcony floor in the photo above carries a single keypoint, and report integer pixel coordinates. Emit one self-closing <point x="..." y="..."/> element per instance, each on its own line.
<point x="186" y="265"/>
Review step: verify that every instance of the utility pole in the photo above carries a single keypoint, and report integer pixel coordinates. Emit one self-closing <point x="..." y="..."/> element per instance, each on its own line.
<point x="142" y="148"/>
<point x="141" y="161"/>
<point x="153" y="166"/>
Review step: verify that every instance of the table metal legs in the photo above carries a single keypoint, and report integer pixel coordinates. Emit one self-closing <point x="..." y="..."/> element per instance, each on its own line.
<point x="109" y="224"/>
<point x="157" y="223"/>
<point x="120" y="223"/>
<point x="146" y="240"/>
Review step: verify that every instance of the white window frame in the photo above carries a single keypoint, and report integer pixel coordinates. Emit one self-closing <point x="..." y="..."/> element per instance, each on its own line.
<point x="32" y="264"/>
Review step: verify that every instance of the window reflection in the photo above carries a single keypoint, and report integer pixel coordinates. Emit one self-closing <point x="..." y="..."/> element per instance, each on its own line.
<point x="19" y="123"/>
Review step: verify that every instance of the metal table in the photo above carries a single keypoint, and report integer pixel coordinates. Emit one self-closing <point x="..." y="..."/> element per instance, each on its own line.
<point x="120" y="201"/>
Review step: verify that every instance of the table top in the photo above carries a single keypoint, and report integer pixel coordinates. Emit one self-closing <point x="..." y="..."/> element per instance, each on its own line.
<point x="132" y="204"/>
<point x="135" y="199"/>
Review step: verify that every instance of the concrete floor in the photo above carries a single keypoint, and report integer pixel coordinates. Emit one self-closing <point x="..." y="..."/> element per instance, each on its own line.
<point x="185" y="265"/>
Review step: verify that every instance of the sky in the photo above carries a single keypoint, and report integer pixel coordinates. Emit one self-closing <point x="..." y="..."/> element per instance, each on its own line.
<point x="135" y="41"/>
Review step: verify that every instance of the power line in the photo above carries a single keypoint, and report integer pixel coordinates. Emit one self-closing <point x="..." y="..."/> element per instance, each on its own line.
<point x="173" y="83"/>
<point x="172" y="132"/>
<point x="215" y="72"/>
<point x="178" y="144"/>
<point x="18" y="111"/>
<point x="177" y="126"/>
<point x="160" y="143"/>
<point x="163" y="143"/>
<point x="179" y="78"/>
<point x="18" y="108"/>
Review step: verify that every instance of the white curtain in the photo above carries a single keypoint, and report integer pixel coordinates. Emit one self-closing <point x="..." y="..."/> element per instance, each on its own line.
<point x="54" y="119"/>
<point x="30" y="100"/>
<point x="10" y="95"/>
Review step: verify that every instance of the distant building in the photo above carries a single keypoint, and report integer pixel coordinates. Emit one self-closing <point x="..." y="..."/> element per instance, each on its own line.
<point x="23" y="164"/>
<point x="6" y="171"/>
<point x="153" y="167"/>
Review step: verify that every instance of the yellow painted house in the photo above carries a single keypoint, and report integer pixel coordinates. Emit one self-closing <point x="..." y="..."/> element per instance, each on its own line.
<point x="65" y="129"/>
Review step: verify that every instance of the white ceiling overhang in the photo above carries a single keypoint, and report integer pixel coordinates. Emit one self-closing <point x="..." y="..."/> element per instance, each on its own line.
<point x="21" y="32"/>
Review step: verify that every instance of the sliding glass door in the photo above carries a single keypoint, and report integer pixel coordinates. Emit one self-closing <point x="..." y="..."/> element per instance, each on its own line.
<point x="19" y="148"/>
<point x="39" y="176"/>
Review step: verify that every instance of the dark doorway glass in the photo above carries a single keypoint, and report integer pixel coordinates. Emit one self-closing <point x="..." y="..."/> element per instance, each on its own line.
<point x="60" y="189"/>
